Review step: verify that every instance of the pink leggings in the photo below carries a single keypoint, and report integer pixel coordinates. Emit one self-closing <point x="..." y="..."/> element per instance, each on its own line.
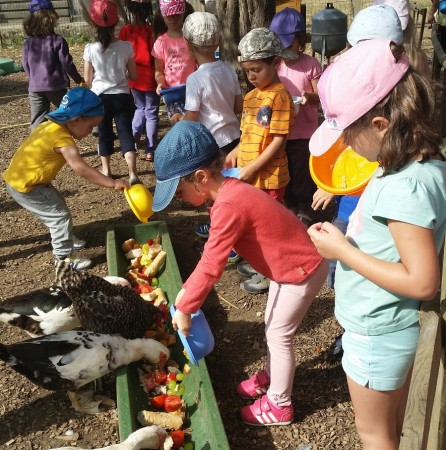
<point x="286" y="307"/>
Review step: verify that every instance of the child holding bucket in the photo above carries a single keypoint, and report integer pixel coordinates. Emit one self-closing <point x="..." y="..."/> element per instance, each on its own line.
<point x="43" y="154"/>
<point x="139" y="32"/>
<point x="108" y="64"/>
<point x="300" y="77"/>
<point x="173" y="62"/>
<point x="46" y="60"/>
<point x="188" y="165"/>
<point x="388" y="260"/>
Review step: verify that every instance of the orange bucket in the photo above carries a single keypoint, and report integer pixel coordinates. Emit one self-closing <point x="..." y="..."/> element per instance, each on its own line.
<point x="341" y="171"/>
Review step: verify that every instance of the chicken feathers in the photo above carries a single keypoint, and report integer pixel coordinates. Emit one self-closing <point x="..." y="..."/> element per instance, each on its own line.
<point x="103" y="307"/>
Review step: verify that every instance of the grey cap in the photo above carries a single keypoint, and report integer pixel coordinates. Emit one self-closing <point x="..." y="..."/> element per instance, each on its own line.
<point x="202" y="29"/>
<point x="262" y="43"/>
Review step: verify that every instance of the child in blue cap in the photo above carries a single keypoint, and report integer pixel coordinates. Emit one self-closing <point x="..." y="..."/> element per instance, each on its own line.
<point x="40" y="158"/>
<point x="46" y="60"/>
<point x="188" y="166"/>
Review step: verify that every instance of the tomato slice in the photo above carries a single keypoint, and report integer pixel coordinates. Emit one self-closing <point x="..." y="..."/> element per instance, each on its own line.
<point x="177" y="437"/>
<point x="172" y="403"/>
<point x="158" y="401"/>
<point x="160" y="376"/>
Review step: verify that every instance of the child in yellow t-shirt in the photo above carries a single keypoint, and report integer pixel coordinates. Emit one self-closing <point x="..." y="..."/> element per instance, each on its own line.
<point x="40" y="158"/>
<point x="267" y="119"/>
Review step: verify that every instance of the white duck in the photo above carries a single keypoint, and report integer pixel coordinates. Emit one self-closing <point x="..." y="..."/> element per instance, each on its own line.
<point x="44" y="311"/>
<point x="152" y="437"/>
<point x="71" y="359"/>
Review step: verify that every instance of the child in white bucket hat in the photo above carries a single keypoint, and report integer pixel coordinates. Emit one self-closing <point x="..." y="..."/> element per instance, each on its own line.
<point x="388" y="260"/>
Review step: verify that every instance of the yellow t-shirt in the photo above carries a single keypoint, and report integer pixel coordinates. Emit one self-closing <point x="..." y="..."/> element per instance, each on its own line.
<point x="36" y="162"/>
<point x="266" y="112"/>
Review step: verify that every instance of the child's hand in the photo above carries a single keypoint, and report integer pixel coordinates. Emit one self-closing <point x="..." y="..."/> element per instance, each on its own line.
<point x="158" y="89"/>
<point x="247" y="174"/>
<point x="175" y="118"/>
<point x="322" y="199"/>
<point x="181" y="321"/>
<point x="121" y="184"/>
<point x="328" y="239"/>
<point x="231" y="159"/>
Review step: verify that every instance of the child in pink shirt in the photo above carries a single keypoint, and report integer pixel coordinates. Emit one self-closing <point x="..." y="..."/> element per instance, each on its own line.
<point x="188" y="165"/>
<point x="300" y="77"/>
<point x="173" y="62"/>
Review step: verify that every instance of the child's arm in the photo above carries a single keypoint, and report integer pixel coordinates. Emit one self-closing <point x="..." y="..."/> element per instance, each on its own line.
<point x="88" y="72"/>
<point x="75" y="161"/>
<point x="247" y="173"/>
<point x="417" y="276"/>
<point x="231" y="159"/>
<point x="132" y="72"/>
<point x="311" y="98"/>
<point x="159" y="75"/>
<point x="190" y="115"/>
<point x="321" y="199"/>
<point x="238" y="104"/>
<point x="66" y="60"/>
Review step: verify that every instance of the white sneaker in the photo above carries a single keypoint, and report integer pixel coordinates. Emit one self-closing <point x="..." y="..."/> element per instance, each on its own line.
<point x="76" y="261"/>
<point x="78" y="244"/>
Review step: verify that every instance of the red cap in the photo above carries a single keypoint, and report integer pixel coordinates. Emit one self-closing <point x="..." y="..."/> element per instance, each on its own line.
<point x="103" y="13"/>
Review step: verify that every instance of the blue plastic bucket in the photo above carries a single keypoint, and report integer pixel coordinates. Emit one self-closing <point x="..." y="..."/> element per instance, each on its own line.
<point x="442" y="7"/>
<point x="174" y="94"/>
<point x="200" y="341"/>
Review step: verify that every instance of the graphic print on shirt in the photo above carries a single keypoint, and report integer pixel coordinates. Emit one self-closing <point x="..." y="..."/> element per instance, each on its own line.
<point x="264" y="116"/>
<point x="177" y="59"/>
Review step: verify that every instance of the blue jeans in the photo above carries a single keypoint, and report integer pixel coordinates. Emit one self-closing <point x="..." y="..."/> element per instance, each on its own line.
<point x="119" y="107"/>
<point x="145" y="119"/>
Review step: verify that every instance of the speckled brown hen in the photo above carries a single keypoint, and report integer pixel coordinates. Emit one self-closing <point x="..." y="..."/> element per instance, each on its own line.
<point x="102" y="307"/>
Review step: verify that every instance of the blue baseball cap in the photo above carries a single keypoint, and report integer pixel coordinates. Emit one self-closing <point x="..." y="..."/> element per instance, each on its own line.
<point x="37" y="5"/>
<point x="77" y="102"/>
<point x="187" y="147"/>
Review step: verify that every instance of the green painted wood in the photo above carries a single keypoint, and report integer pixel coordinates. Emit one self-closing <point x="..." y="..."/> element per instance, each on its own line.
<point x="202" y="409"/>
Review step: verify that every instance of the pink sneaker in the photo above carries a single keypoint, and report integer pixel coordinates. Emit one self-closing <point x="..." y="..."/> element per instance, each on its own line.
<point x="254" y="387"/>
<point x="263" y="412"/>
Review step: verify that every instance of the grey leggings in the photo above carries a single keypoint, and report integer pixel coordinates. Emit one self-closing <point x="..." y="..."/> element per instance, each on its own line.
<point x="47" y="203"/>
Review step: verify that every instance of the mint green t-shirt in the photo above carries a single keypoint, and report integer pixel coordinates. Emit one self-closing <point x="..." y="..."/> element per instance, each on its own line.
<point x="416" y="195"/>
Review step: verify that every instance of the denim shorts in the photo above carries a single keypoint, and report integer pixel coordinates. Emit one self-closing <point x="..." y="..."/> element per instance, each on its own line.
<point x="380" y="362"/>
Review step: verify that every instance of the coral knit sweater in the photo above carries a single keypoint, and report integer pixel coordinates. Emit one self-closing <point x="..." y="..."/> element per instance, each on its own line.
<point x="271" y="238"/>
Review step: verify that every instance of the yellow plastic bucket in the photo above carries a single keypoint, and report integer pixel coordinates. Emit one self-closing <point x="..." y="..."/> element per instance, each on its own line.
<point x="341" y="171"/>
<point x="140" y="201"/>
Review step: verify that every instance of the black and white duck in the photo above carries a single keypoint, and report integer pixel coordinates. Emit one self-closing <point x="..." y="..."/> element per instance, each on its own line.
<point x="71" y="359"/>
<point x="44" y="311"/>
<point x="106" y="308"/>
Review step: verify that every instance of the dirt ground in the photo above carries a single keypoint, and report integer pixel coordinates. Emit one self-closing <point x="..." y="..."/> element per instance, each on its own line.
<point x="33" y="418"/>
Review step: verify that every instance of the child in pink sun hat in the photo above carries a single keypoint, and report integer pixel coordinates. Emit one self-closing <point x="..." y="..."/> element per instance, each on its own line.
<point x="388" y="260"/>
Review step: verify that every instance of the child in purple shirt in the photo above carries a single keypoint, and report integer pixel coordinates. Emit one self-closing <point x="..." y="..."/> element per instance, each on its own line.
<point x="46" y="60"/>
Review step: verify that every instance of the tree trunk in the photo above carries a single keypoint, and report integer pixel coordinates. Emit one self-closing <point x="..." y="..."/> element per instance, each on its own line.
<point x="237" y="18"/>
